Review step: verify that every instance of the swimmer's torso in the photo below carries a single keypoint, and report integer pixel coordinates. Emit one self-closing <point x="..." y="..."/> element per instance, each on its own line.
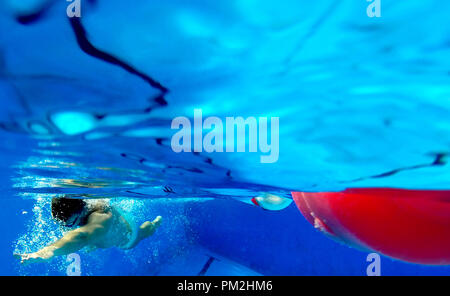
<point x="117" y="231"/>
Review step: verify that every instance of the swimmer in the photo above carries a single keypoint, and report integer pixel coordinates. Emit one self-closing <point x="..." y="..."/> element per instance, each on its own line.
<point x="97" y="225"/>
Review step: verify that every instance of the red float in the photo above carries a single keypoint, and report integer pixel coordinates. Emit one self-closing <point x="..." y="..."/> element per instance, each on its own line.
<point x="410" y="225"/>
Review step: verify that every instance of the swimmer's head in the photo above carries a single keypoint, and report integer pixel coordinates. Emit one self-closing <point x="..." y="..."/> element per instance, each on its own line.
<point x="68" y="211"/>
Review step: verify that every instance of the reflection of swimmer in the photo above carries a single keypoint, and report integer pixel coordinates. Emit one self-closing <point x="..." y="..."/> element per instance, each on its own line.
<point x="99" y="226"/>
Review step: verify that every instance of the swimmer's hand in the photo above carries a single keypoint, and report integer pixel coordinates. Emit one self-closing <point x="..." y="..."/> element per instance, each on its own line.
<point x="36" y="257"/>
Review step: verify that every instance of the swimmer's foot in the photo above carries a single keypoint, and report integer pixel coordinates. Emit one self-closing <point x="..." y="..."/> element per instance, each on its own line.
<point x="148" y="228"/>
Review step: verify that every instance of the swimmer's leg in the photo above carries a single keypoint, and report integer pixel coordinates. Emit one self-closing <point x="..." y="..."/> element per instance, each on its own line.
<point x="145" y="230"/>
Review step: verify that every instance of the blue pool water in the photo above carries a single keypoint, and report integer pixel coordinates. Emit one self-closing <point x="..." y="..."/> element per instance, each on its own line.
<point x="87" y="106"/>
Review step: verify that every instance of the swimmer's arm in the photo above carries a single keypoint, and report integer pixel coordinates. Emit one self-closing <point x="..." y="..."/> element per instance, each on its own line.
<point x="71" y="242"/>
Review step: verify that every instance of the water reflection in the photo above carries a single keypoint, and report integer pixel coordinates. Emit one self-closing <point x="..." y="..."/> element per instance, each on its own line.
<point x="54" y="172"/>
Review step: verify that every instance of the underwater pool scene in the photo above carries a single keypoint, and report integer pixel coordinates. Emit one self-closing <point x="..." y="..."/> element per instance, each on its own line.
<point x="356" y="179"/>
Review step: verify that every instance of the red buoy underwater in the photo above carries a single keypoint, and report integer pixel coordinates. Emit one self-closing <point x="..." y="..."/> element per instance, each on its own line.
<point x="409" y="225"/>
